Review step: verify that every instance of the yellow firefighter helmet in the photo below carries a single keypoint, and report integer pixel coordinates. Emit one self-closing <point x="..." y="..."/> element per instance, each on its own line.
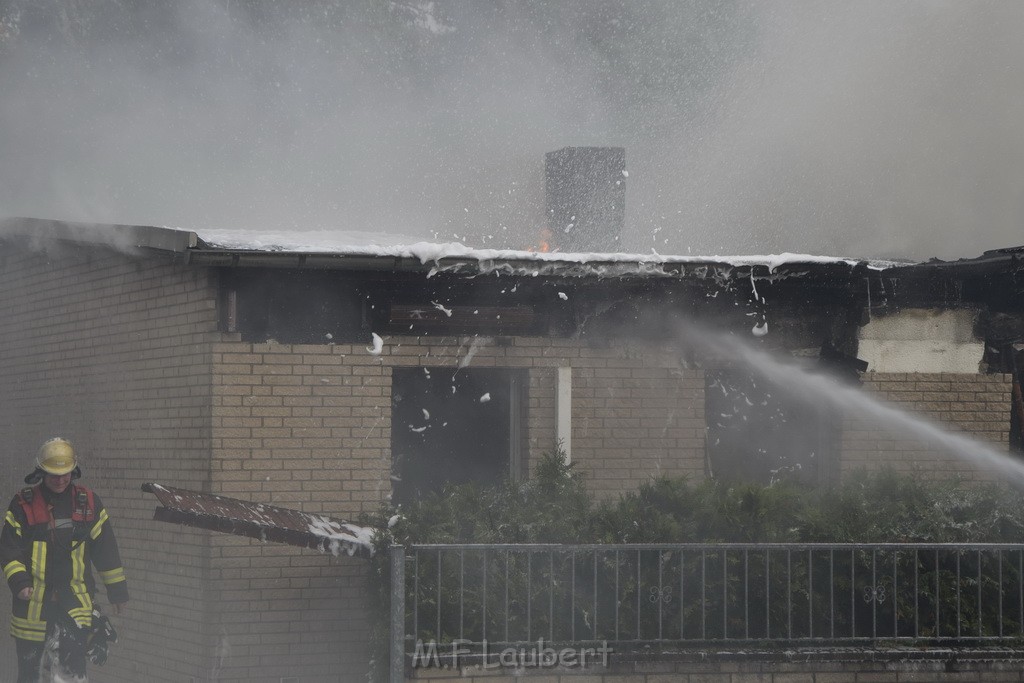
<point x="56" y="457"/>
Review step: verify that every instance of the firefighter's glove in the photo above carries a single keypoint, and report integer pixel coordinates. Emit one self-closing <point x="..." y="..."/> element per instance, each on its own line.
<point x="103" y="634"/>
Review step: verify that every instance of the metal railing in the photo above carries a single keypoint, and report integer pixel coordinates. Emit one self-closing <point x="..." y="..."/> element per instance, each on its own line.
<point x="681" y="595"/>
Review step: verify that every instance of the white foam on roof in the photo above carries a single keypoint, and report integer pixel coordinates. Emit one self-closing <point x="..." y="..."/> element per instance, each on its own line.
<point x="354" y="243"/>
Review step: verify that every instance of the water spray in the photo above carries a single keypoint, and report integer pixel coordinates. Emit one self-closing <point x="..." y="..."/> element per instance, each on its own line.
<point x="825" y="390"/>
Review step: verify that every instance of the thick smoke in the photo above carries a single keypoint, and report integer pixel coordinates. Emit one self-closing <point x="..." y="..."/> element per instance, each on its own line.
<point x="864" y="129"/>
<point x="880" y="129"/>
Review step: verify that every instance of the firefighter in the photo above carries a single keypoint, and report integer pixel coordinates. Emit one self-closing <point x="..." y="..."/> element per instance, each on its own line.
<point x="53" y="530"/>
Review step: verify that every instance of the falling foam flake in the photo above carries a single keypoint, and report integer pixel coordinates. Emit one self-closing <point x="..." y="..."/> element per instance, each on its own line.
<point x="485" y="398"/>
<point x="760" y="329"/>
<point x="563" y="296"/>
<point x="446" y="311"/>
<point x="378" y="345"/>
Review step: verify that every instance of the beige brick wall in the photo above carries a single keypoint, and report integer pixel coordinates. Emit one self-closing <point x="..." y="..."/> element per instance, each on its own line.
<point x="304" y="427"/>
<point x="309" y="427"/>
<point x="977" y="406"/>
<point x="122" y="356"/>
<point x="111" y="352"/>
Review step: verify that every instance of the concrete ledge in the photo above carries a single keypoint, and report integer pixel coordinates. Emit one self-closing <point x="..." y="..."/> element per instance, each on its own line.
<point x="813" y="665"/>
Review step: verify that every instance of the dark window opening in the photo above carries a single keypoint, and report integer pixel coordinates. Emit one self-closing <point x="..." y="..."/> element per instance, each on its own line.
<point x="454" y="426"/>
<point x="758" y="432"/>
<point x="293" y="307"/>
<point x="322" y="306"/>
<point x="437" y="319"/>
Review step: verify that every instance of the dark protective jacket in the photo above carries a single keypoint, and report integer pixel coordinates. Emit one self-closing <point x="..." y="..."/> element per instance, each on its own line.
<point x="48" y="542"/>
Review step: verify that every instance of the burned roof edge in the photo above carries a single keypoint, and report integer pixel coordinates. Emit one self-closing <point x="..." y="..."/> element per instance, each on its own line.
<point x="432" y="259"/>
<point x="1008" y="259"/>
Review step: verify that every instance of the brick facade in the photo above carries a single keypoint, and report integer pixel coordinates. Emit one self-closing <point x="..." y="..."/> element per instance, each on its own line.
<point x="111" y="352"/>
<point x="309" y="427"/>
<point x="973" y="405"/>
<point x="122" y="355"/>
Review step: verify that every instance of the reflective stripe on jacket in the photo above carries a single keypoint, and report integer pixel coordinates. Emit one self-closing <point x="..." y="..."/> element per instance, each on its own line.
<point x="48" y="541"/>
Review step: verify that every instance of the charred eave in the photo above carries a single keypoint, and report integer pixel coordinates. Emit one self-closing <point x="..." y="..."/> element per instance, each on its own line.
<point x="344" y="305"/>
<point x="993" y="282"/>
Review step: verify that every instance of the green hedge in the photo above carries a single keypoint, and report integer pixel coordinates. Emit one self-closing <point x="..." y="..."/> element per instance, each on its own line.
<point x="556" y="507"/>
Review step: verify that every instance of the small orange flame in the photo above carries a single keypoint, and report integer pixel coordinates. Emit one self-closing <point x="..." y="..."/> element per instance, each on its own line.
<point x="544" y="245"/>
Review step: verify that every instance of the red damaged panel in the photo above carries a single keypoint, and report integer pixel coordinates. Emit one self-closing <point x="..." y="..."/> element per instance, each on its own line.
<point x="256" y="520"/>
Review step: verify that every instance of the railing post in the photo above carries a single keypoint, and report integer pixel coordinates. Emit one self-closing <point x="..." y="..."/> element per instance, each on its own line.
<point x="397" y="667"/>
